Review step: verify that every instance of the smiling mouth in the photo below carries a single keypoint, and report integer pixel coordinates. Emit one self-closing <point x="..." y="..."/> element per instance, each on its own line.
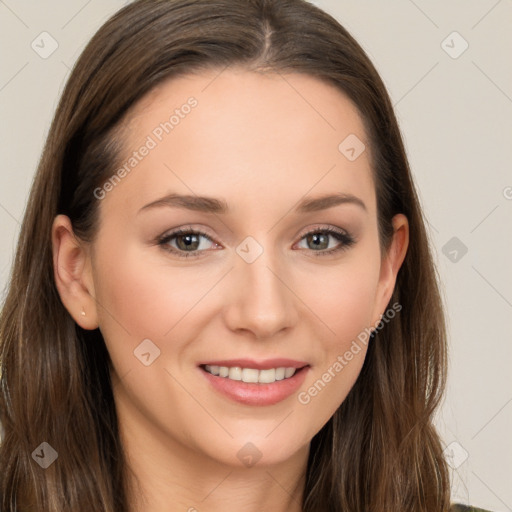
<point x="251" y="375"/>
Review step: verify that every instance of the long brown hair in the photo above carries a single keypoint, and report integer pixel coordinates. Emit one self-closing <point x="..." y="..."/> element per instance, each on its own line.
<point x="380" y="450"/>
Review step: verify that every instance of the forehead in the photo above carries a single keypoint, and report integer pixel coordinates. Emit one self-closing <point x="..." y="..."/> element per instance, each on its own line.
<point x="243" y="134"/>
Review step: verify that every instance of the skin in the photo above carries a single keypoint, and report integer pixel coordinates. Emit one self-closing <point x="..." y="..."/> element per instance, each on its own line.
<point x="261" y="143"/>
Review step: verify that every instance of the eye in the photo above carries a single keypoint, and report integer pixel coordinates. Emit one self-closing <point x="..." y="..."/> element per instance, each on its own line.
<point x="319" y="240"/>
<point x="186" y="242"/>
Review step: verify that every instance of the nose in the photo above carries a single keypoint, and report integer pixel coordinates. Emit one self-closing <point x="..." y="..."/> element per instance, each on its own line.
<point x="262" y="301"/>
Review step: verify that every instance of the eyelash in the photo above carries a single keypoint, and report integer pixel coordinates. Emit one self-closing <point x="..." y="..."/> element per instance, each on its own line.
<point x="342" y="236"/>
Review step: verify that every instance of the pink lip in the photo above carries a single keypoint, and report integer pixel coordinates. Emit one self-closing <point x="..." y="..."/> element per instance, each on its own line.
<point x="261" y="365"/>
<point x="257" y="394"/>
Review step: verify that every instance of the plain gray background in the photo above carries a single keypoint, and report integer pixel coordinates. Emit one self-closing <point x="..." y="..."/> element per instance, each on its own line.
<point x="454" y="105"/>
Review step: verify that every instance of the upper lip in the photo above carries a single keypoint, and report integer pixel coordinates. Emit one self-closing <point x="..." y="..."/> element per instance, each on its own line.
<point x="258" y="365"/>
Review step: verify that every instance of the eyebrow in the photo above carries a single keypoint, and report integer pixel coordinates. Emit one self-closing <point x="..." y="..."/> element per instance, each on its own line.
<point x="219" y="206"/>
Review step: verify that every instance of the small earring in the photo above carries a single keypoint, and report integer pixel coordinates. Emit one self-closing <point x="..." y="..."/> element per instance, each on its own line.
<point x="83" y="312"/>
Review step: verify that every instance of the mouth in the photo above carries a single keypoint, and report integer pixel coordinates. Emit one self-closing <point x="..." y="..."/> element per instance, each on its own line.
<point x="257" y="384"/>
<point x="252" y="375"/>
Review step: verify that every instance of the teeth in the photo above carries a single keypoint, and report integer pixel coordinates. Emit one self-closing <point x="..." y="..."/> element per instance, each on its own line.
<point x="266" y="376"/>
<point x="235" y="373"/>
<point x="251" y="375"/>
<point x="280" y="373"/>
<point x="289" y="372"/>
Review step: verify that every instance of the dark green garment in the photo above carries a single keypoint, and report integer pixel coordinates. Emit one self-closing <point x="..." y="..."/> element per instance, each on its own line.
<point x="464" y="508"/>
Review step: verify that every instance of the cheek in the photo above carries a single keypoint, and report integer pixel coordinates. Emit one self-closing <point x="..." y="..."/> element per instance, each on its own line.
<point x="343" y="296"/>
<point x="343" y="299"/>
<point x="136" y="301"/>
<point x="345" y="305"/>
<point x="143" y="295"/>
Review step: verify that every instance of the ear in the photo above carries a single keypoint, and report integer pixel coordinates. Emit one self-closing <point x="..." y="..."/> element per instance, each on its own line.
<point x="72" y="272"/>
<point x="391" y="263"/>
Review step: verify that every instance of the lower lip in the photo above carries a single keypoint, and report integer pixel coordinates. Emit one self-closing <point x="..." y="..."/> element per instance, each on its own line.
<point x="257" y="394"/>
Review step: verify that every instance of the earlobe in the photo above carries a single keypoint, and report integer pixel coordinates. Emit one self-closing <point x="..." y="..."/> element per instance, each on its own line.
<point x="72" y="274"/>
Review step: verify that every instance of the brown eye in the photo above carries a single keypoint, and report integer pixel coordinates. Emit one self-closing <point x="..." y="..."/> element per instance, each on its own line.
<point x="186" y="242"/>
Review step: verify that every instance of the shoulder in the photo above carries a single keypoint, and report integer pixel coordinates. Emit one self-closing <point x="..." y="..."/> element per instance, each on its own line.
<point x="465" y="508"/>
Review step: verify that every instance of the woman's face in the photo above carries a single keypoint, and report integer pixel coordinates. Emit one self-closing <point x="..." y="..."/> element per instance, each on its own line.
<point x="256" y="273"/>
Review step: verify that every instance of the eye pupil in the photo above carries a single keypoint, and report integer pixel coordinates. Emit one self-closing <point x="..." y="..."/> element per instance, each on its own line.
<point x="320" y="240"/>
<point x="190" y="241"/>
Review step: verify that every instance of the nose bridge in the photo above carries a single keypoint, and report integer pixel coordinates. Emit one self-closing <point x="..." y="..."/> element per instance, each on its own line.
<point x="262" y="303"/>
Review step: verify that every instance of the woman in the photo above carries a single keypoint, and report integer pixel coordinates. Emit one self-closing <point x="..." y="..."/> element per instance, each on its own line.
<point x="223" y="290"/>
